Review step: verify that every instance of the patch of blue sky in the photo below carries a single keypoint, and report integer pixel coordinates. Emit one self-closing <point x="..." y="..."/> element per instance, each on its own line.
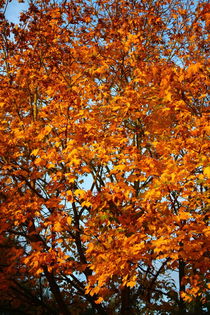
<point x="13" y="10"/>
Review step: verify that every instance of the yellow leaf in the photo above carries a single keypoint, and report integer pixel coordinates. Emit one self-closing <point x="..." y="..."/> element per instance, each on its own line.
<point x="35" y="152"/>
<point x="80" y="192"/>
<point x="194" y="68"/>
<point x="131" y="284"/>
<point x="47" y="129"/>
<point x="90" y="248"/>
<point x="57" y="227"/>
<point x="94" y="291"/>
<point x="120" y="167"/>
<point x="69" y="220"/>
<point x="86" y="204"/>
<point x="168" y="98"/>
<point x="184" y="216"/>
<point x="51" y="165"/>
<point x="40" y="270"/>
<point x="38" y="161"/>
<point x="206" y="171"/>
<point x="99" y="300"/>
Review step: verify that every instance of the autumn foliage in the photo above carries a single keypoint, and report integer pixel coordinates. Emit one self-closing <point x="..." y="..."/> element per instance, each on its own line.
<point x="104" y="157"/>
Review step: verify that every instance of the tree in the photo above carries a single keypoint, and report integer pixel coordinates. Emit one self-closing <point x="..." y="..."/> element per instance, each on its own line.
<point x="104" y="161"/>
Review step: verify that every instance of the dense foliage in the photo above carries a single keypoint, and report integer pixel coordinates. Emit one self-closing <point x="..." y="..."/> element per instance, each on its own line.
<point x="104" y="157"/>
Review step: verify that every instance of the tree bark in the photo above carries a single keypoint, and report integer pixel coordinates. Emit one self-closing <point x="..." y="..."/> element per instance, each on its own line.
<point x="182" y="305"/>
<point x="56" y="292"/>
<point x="126" y="306"/>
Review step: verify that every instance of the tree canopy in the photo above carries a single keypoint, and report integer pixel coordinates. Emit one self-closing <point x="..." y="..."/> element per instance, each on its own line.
<point x="104" y="157"/>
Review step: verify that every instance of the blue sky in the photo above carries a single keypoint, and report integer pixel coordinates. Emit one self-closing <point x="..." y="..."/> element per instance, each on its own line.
<point x="13" y="10"/>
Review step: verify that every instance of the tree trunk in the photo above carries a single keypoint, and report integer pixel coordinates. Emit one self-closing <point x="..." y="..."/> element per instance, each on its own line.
<point x="56" y="292"/>
<point x="182" y="305"/>
<point x="126" y="306"/>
